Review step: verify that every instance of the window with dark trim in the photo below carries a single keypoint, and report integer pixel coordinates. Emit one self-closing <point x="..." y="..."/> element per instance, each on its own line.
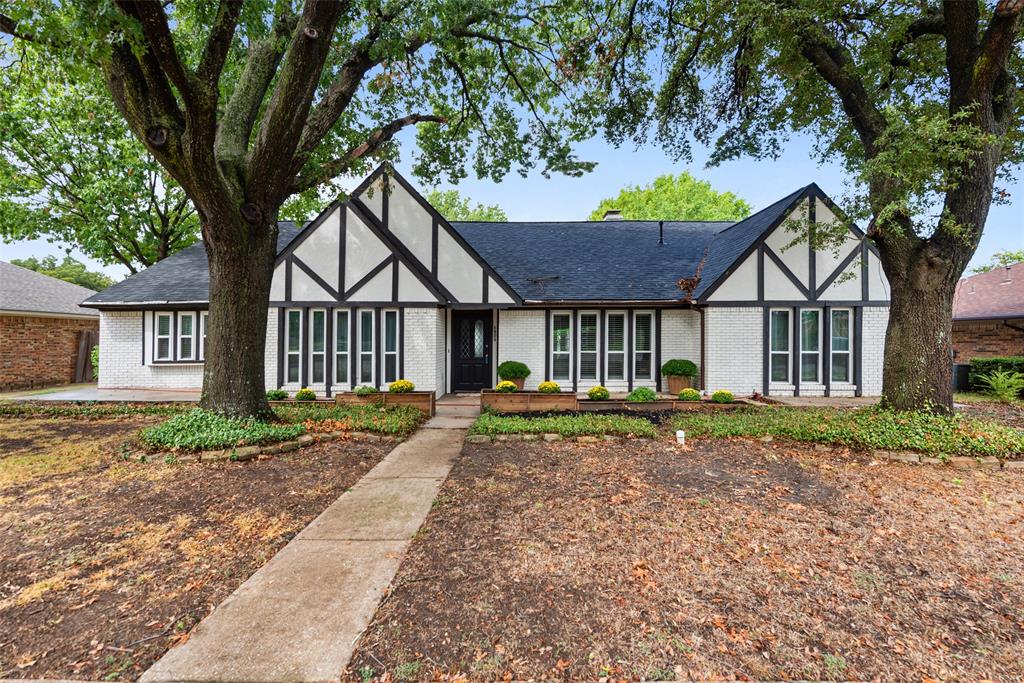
<point x="317" y="345"/>
<point x="588" y="346"/>
<point x="390" y="346"/>
<point x="561" y="346"/>
<point x="779" y="339"/>
<point x="366" y="347"/>
<point x="341" y="347"/>
<point x="810" y="345"/>
<point x="643" y="345"/>
<point x="293" y="345"/>
<point x="841" y="346"/>
<point x="615" y="346"/>
<point x="186" y="336"/>
<point x="163" y="337"/>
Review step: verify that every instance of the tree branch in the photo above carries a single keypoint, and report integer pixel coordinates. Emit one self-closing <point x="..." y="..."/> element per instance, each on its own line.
<point x="218" y="43"/>
<point x="996" y="46"/>
<point x="153" y="19"/>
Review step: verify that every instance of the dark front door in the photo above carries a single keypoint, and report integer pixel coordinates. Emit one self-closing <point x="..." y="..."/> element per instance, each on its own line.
<point x="471" y="350"/>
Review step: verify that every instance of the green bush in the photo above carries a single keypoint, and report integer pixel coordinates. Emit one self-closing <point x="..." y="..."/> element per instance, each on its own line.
<point x="199" y="430"/>
<point x="305" y="394"/>
<point x="276" y="394"/>
<point x="549" y="388"/>
<point x="94" y="358"/>
<point x="365" y="390"/>
<point x="566" y="425"/>
<point x="863" y="428"/>
<point x="981" y="367"/>
<point x="513" y="369"/>
<point x="722" y="396"/>
<point x="1004" y="385"/>
<point x="506" y="387"/>
<point x="360" y="417"/>
<point x="642" y="395"/>
<point x="679" y="368"/>
<point x="689" y="395"/>
<point x="598" y="393"/>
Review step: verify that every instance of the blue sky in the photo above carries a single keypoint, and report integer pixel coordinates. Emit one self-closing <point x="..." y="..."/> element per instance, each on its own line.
<point x="561" y="198"/>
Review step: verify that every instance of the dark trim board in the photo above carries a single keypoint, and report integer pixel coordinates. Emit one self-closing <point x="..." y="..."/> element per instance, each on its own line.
<point x="320" y="282"/>
<point x="629" y="349"/>
<point x="328" y="350"/>
<point x="858" y="351"/>
<point x="280" y="347"/>
<point x="765" y="350"/>
<point x="826" y="349"/>
<point x="797" y="327"/>
<point x="355" y="304"/>
<point x="657" y="350"/>
<point x="374" y="272"/>
<point x="401" y="343"/>
<point x="547" y="344"/>
<point x="304" y="362"/>
<point x="574" y="369"/>
<point x="781" y="265"/>
<point x="805" y="304"/>
<point x="840" y="269"/>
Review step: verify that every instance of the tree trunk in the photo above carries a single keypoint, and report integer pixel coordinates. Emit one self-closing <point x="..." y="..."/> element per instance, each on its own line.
<point x="241" y="260"/>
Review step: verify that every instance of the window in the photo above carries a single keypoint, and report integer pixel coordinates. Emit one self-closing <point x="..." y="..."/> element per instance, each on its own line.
<point x="163" y="336"/>
<point x="616" y="346"/>
<point x="186" y="335"/>
<point x="588" y="346"/>
<point x="643" y="345"/>
<point x="391" y="345"/>
<point x="561" y="339"/>
<point x="317" y="345"/>
<point x="366" y="347"/>
<point x="341" y="347"/>
<point x="779" y="346"/>
<point x="293" y="348"/>
<point x="202" y="334"/>
<point x="810" y="345"/>
<point x="840" y="345"/>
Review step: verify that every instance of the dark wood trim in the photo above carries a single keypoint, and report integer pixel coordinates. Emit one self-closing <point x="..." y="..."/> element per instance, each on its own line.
<point x="787" y="272"/>
<point x="812" y="261"/>
<point x="304" y="360"/>
<point x="766" y="351"/>
<point x="376" y="347"/>
<point x="369" y="276"/>
<point x="394" y="281"/>
<point x="322" y="283"/>
<point x="703" y="352"/>
<point x="342" y="246"/>
<point x="864" y="271"/>
<point x="328" y="350"/>
<point x="174" y="335"/>
<point x="144" y="337"/>
<point x="760" y="272"/>
<point x="483" y="286"/>
<point x="796" y="323"/>
<point x="401" y="343"/>
<point x="384" y="203"/>
<point x="575" y="342"/>
<point x="495" y="333"/>
<point x="843" y="265"/>
<point x="858" y="348"/>
<point x="288" y="279"/>
<point x="354" y="348"/>
<point x="281" y="322"/>
<point x="547" y="344"/>
<point x="433" y="248"/>
<point x="602" y="317"/>
<point x="629" y="348"/>
<point x="657" y="349"/>
<point x="787" y="303"/>
<point x="364" y="304"/>
<point x="826" y="349"/>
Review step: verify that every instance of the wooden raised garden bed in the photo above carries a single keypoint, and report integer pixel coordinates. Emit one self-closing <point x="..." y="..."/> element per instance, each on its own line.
<point x="526" y="401"/>
<point x="424" y="400"/>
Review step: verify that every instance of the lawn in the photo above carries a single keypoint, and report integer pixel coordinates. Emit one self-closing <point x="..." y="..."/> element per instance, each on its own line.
<point x="106" y="563"/>
<point x="733" y="559"/>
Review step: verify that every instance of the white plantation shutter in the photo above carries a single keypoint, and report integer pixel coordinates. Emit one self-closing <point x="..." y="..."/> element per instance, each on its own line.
<point x="588" y="346"/>
<point x="616" y="346"/>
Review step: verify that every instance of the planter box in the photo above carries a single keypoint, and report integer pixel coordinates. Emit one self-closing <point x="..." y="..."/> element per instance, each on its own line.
<point x="677" y="383"/>
<point x="424" y="400"/>
<point x="526" y="401"/>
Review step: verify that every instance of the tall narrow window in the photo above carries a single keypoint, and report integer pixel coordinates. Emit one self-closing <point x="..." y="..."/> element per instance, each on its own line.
<point x="390" y="346"/>
<point x="840" y="345"/>
<point x="163" y="336"/>
<point x="616" y="343"/>
<point x="810" y="345"/>
<point x="643" y="345"/>
<point x="366" y="347"/>
<point x="186" y="336"/>
<point x="317" y="345"/>
<point x="588" y="345"/>
<point x="341" y="347"/>
<point x="293" y="346"/>
<point x="202" y="334"/>
<point x="779" y="346"/>
<point x="561" y="348"/>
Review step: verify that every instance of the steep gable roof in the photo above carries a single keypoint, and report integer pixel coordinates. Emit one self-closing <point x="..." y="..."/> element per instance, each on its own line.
<point x="26" y="291"/>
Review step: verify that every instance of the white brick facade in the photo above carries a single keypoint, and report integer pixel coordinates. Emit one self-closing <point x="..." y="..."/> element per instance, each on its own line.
<point x="733" y="349"/>
<point x="521" y="337"/>
<point x="121" y="357"/>
<point x="680" y="335"/>
<point x="422" y="358"/>
<point x="876" y="321"/>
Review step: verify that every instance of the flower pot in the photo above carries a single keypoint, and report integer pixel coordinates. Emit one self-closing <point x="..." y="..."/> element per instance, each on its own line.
<point x="519" y="382"/>
<point x="677" y="383"/>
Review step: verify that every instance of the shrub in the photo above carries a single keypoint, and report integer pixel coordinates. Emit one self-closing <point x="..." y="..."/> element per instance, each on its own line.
<point x="689" y="395"/>
<point x="566" y="425"/>
<point x="365" y="390"/>
<point x="1003" y="385"/>
<point x="679" y="368"/>
<point x="305" y="394"/>
<point x="549" y="388"/>
<point x="199" y="430"/>
<point x="513" y="369"/>
<point x="276" y="394"/>
<point x="981" y="367"/>
<point x="94" y="358"/>
<point x="598" y="394"/>
<point x="401" y="386"/>
<point x="642" y="395"/>
<point x="722" y="396"/>
<point x="506" y="387"/>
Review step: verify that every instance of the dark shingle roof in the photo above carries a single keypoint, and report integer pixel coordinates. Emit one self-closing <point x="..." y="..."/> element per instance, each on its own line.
<point x="27" y="291"/>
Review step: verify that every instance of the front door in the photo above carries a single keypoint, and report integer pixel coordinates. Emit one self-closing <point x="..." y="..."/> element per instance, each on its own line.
<point x="471" y="350"/>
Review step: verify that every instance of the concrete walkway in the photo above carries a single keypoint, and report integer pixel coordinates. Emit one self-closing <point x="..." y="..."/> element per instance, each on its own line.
<point x="299" y="616"/>
<point x="89" y="392"/>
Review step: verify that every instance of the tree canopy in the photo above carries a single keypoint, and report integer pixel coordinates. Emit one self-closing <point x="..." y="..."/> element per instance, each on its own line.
<point x="674" y="198"/>
<point x="1001" y="259"/>
<point x="70" y="270"/>
<point x="455" y="207"/>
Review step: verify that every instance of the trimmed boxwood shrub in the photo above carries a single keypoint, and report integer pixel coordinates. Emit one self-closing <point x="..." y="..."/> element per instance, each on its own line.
<point x="679" y="368"/>
<point x="689" y="395"/>
<point x="722" y="396"/>
<point x="513" y="369"/>
<point x="981" y="367"/>
<point x="199" y="430"/>
<point x="598" y="393"/>
<point x="401" y="386"/>
<point x="506" y="387"/>
<point x="549" y="388"/>
<point x="276" y="394"/>
<point x="305" y="394"/>
<point x="365" y="390"/>
<point x="642" y="395"/>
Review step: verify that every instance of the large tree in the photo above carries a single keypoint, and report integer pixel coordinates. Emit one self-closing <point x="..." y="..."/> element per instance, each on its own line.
<point x="246" y="104"/>
<point x="674" y="198"/>
<point x="455" y="207"/>
<point x="918" y="98"/>
<point x="1001" y="259"/>
<point x="70" y="270"/>
<point x="72" y="172"/>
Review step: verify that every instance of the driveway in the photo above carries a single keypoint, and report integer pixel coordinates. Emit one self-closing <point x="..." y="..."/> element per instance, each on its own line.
<point x="90" y="392"/>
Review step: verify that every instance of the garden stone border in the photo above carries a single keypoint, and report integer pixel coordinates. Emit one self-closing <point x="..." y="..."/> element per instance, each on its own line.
<point x="246" y="453"/>
<point x="549" y="436"/>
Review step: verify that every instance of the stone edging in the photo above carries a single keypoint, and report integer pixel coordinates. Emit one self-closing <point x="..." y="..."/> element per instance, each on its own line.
<point x="244" y="453"/>
<point x="485" y="438"/>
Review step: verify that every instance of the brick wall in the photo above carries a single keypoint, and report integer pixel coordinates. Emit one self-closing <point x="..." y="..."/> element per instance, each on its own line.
<point x="423" y="326"/>
<point x="876" y="321"/>
<point x="39" y="352"/>
<point x="521" y="338"/>
<point x="121" y="360"/>
<point x="680" y="337"/>
<point x="986" y="339"/>
<point x="733" y="352"/>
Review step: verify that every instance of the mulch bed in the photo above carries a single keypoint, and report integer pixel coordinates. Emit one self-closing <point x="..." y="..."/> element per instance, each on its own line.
<point x="1008" y="414"/>
<point x="104" y="564"/>
<point x="735" y="559"/>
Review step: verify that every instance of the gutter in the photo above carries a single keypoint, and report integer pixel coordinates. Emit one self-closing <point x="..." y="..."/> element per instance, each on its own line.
<point x="134" y="305"/>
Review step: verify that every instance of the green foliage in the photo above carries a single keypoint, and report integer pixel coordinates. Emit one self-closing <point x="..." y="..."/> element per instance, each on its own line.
<point x="94" y="359"/>
<point x="365" y="390"/>
<point x="598" y="393"/>
<point x="393" y="420"/>
<point x="506" y="387"/>
<point x="1001" y="259"/>
<point x="642" y="395"/>
<point x="455" y="207"/>
<point x="90" y="410"/>
<point x="305" y="394"/>
<point x="866" y="428"/>
<point x="276" y="394"/>
<point x="679" y="368"/>
<point x="722" y="396"/>
<point x="981" y="367"/>
<point x="69" y="270"/>
<point x="199" y="430"/>
<point x="675" y="198"/>
<point x="566" y="425"/>
<point x="401" y="386"/>
<point x="1004" y="385"/>
<point x="689" y="394"/>
<point x="549" y="387"/>
<point x="513" y="369"/>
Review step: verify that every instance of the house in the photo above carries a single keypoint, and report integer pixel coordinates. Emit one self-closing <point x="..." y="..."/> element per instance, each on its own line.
<point x="988" y="315"/>
<point x="381" y="287"/>
<point x="45" y="336"/>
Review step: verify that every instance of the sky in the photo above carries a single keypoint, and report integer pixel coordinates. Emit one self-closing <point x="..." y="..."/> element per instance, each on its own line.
<point x="760" y="183"/>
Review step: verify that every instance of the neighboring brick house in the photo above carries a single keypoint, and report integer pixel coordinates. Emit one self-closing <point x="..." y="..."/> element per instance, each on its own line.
<point x="988" y="315"/>
<point x="380" y="287"/>
<point x="42" y="329"/>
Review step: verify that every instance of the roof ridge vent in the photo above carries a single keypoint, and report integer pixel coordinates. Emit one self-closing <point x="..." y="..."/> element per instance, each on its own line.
<point x="612" y="215"/>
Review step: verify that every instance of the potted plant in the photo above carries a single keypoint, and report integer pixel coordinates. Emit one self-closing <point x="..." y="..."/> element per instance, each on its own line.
<point x="549" y="387"/>
<point x="680" y="374"/>
<point x="515" y="372"/>
<point x="598" y="393"/>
